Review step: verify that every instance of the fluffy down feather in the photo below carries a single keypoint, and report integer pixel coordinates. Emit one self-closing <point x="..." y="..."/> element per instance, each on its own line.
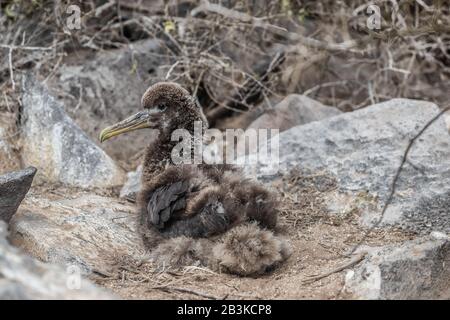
<point x="245" y="250"/>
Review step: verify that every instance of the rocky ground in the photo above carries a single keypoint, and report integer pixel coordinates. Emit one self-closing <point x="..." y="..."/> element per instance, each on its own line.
<point x="335" y="177"/>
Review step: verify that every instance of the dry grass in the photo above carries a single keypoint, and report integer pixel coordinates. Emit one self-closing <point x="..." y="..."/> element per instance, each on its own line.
<point x="301" y="198"/>
<point x="329" y="53"/>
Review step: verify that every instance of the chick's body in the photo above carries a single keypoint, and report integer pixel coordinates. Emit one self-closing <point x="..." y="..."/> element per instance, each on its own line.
<point x="205" y="213"/>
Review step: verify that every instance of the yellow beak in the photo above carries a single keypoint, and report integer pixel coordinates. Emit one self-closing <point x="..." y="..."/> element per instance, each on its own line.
<point x="137" y="121"/>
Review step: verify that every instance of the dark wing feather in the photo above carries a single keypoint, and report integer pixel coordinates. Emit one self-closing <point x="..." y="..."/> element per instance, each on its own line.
<point x="165" y="201"/>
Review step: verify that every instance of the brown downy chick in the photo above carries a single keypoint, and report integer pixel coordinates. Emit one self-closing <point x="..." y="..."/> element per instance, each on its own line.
<point x="195" y="201"/>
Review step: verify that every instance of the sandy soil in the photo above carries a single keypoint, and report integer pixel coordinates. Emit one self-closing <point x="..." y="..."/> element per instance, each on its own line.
<point x="316" y="250"/>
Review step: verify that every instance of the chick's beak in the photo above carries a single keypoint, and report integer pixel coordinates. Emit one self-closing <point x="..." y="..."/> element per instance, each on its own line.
<point x="137" y="121"/>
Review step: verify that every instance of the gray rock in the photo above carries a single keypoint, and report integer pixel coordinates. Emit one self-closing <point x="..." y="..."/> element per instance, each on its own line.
<point x="133" y="184"/>
<point x="447" y="120"/>
<point x="102" y="89"/>
<point x="22" y="277"/>
<point x="9" y="161"/>
<point x="83" y="230"/>
<point x="362" y="151"/>
<point x="13" y="188"/>
<point x="293" y="111"/>
<point x="60" y="150"/>
<point x="418" y="269"/>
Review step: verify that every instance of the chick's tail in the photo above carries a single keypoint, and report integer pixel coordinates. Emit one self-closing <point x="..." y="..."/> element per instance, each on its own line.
<point x="245" y="250"/>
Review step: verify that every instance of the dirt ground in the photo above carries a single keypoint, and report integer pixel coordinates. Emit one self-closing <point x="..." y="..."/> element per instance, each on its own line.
<point x="319" y="244"/>
<point x="313" y="253"/>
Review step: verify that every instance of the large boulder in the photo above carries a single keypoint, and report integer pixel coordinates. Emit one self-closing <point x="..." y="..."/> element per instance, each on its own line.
<point x="13" y="188"/>
<point x="362" y="151"/>
<point x="78" y="229"/>
<point x="23" y="277"/>
<point x="418" y="269"/>
<point x="293" y="111"/>
<point x="60" y="150"/>
<point x="103" y="88"/>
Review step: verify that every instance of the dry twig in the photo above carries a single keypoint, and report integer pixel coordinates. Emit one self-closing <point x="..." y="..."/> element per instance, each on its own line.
<point x="354" y="261"/>
<point x="258" y="22"/>
<point x="189" y="291"/>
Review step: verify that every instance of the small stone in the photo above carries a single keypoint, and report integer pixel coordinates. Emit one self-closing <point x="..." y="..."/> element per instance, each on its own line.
<point x="133" y="184"/>
<point x="439" y="235"/>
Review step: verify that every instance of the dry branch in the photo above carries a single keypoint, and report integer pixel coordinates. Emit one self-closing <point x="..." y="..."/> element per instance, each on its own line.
<point x="249" y="93"/>
<point x="189" y="291"/>
<point x="354" y="261"/>
<point x="258" y="22"/>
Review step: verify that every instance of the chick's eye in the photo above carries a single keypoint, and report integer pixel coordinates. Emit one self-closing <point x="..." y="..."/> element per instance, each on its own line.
<point x="162" y="107"/>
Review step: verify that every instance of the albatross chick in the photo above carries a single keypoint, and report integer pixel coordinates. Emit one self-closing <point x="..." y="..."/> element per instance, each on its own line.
<point x="198" y="213"/>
